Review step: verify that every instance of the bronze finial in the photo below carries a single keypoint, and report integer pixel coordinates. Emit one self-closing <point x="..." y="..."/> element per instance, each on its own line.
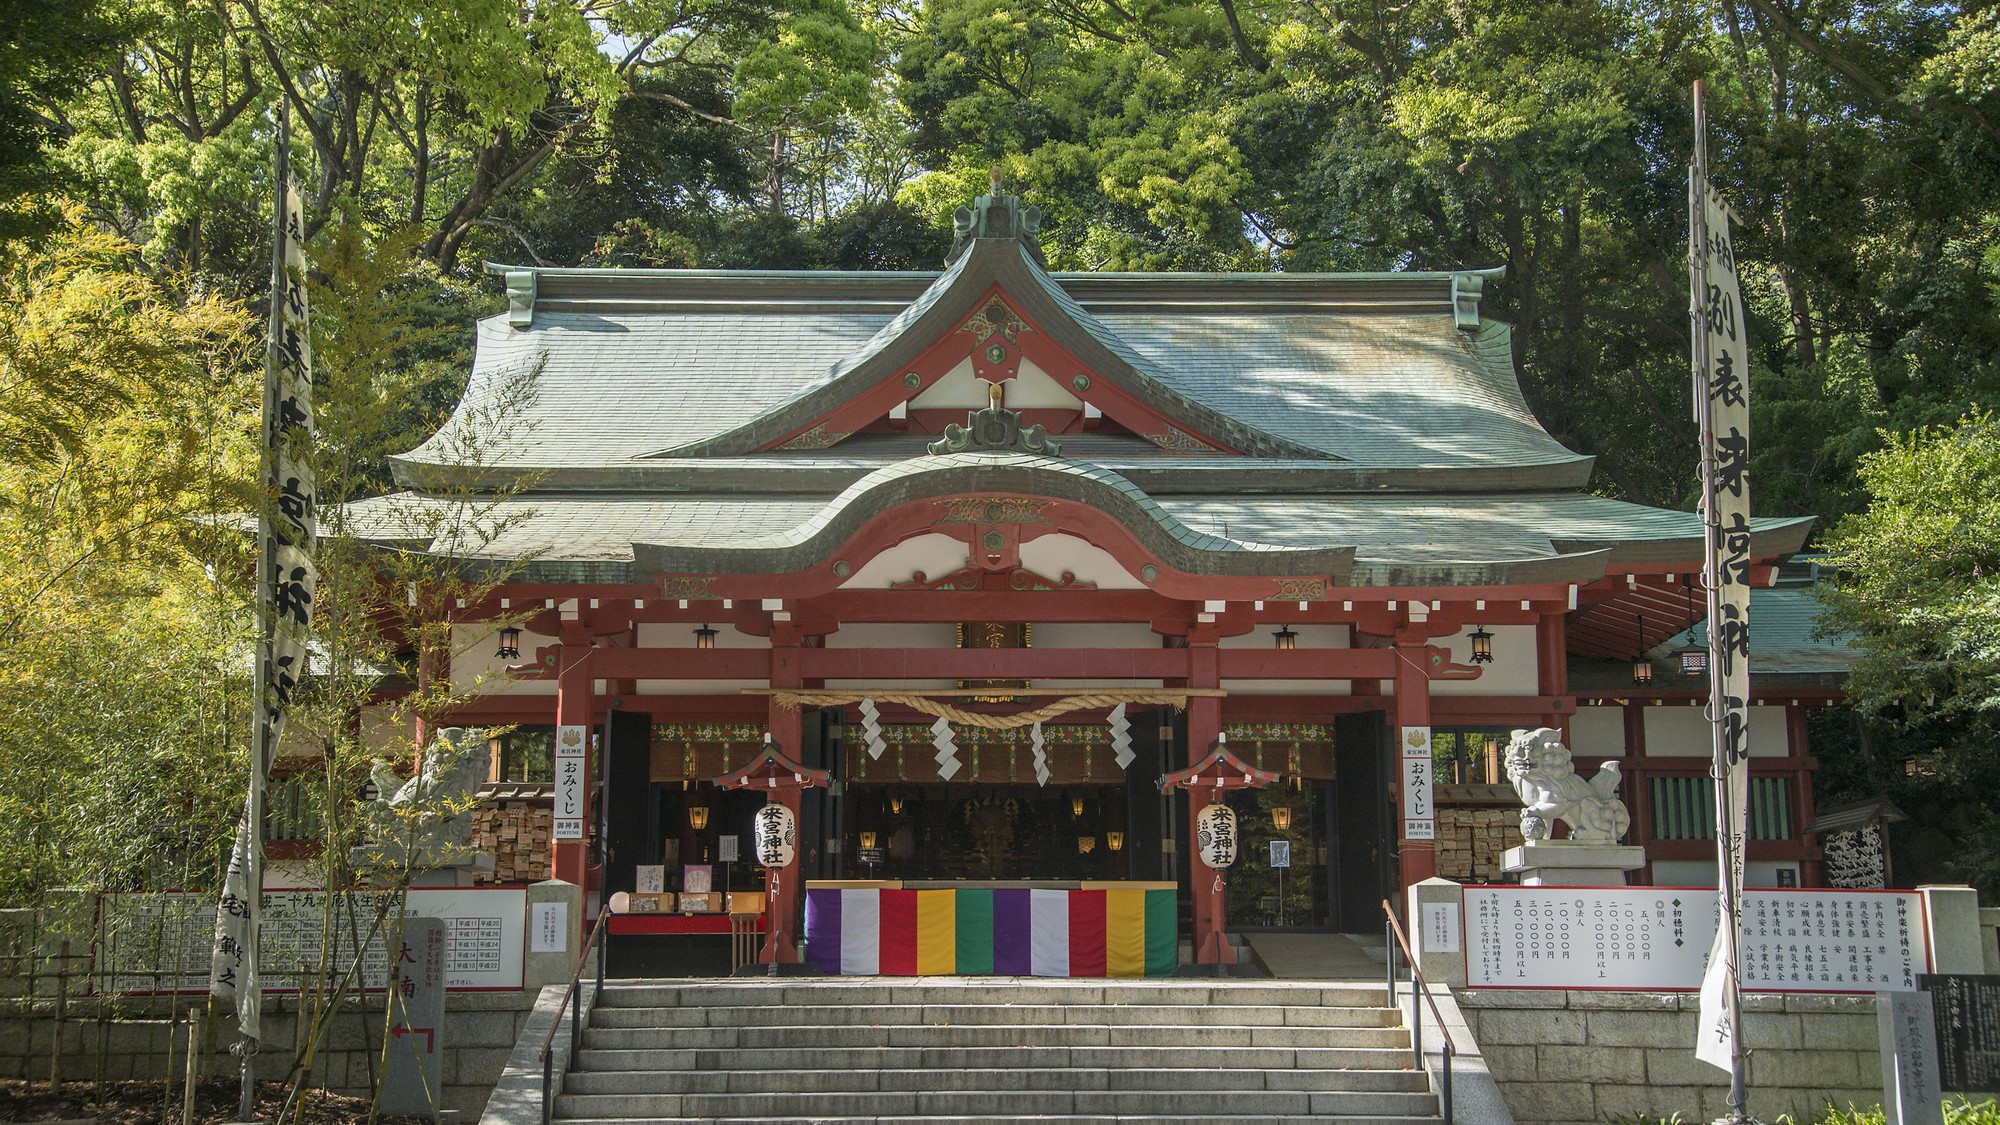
<point x="994" y="176"/>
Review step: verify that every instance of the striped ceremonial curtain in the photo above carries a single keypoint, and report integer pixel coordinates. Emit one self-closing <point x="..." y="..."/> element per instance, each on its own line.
<point x="977" y="932"/>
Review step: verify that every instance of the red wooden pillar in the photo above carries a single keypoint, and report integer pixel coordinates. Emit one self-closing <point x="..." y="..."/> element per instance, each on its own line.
<point x="784" y="893"/>
<point x="1205" y="780"/>
<point x="1552" y="667"/>
<point x="1798" y="746"/>
<point x="780" y="778"/>
<point x="574" y="709"/>
<point x="1638" y="785"/>
<point x="1206" y="888"/>
<point x="1413" y="709"/>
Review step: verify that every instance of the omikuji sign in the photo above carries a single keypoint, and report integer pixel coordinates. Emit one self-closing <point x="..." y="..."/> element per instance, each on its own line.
<point x="1658" y="938"/>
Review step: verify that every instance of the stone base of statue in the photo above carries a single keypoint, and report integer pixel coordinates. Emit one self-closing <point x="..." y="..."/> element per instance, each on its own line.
<point x="429" y="868"/>
<point x="1567" y="863"/>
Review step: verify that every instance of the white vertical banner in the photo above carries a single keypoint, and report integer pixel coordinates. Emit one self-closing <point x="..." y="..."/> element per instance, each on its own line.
<point x="572" y="750"/>
<point x="1723" y="404"/>
<point x="1419" y="815"/>
<point x="287" y="534"/>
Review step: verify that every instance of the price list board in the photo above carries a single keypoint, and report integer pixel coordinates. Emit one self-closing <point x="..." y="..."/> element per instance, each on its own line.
<point x="1658" y="938"/>
<point x="155" y="942"/>
<point x="1967" y="1012"/>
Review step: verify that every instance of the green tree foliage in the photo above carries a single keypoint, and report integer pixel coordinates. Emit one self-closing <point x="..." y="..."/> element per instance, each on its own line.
<point x="126" y="412"/>
<point x="1920" y="586"/>
<point x="1859" y="141"/>
<point x="49" y="49"/>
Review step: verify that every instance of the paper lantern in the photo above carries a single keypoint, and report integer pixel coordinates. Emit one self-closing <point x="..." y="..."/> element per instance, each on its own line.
<point x="776" y="831"/>
<point x="1215" y="836"/>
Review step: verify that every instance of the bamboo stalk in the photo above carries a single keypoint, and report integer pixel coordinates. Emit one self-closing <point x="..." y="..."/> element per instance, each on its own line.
<point x="192" y="1074"/>
<point x="62" y="1010"/>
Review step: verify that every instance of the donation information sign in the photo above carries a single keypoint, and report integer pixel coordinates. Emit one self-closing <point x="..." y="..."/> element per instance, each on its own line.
<point x="155" y="942"/>
<point x="1659" y="938"/>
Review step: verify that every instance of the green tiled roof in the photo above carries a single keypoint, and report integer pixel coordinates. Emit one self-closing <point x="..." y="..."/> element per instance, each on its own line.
<point x="1386" y="437"/>
<point x="1782" y="623"/>
<point x="1369" y="370"/>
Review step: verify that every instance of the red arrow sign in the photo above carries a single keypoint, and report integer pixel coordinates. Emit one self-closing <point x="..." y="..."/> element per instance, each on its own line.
<point x="429" y="1034"/>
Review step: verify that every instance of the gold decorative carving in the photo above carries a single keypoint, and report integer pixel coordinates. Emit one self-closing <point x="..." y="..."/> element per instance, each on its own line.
<point x="1300" y="590"/>
<point x="690" y="589"/>
<point x="995" y="317"/>
<point x="984" y="510"/>
<point x="1018" y="579"/>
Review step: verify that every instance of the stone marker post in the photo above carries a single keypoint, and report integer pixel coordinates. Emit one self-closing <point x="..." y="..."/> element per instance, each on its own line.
<point x="554" y="908"/>
<point x="1437" y="927"/>
<point x="1908" y="1034"/>
<point x="413" y="1080"/>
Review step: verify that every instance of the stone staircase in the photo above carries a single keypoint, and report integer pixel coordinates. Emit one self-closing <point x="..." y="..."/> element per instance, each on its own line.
<point x="944" y="1049"/>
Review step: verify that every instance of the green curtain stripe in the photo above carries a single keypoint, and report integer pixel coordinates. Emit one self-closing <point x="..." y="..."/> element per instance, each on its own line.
<point x="1163" y="953"/>
<point x="975" y="931"/>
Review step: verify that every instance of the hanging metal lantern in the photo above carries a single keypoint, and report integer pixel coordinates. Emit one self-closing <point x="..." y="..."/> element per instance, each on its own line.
<point x="1482" y="645"/>
<point x="1215" y="835"/>
<point x="776" y="832"/>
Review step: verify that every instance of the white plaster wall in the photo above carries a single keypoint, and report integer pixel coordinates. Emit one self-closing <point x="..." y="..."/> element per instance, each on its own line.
<point x="1597" y="732"/>
<point x="1095" y="634"/>
<point x="939" y="634"/>
<point x="1310" y="636"/>
<point x="1684" y="731"/>
<point x="918" y="635"/>
<point x="1032" y="389"/>
<point x="680" y="634"/>
<point x="381" y="732"/>
<point x="1514" y="667"/>
<point x="1702" y="872"/>
<point x="1051" y="555"/>
<point x="937" y="555"/>
<point x="477" y="669"/>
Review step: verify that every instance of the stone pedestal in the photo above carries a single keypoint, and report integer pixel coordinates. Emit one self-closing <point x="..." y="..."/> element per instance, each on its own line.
<point x="1566" y="863"/>
<point x="466" y="868"/>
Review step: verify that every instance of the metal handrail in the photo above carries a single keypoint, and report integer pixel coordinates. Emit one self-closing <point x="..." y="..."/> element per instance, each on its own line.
<point x="1419" y="988"/>
<point x="575" y="1014"/>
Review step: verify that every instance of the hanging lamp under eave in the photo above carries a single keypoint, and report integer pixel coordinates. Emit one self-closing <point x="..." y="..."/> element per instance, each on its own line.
<point x="1482" y="645"/>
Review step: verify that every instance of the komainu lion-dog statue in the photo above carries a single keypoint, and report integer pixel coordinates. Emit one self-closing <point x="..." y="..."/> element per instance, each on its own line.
<point x="1542" y="772"/>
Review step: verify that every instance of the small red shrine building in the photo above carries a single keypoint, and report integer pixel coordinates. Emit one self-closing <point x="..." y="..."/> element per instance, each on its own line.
<point x="885" y="516"/>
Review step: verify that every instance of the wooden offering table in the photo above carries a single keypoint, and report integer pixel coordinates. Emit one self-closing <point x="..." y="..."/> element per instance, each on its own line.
<point x="1002" y="928"/>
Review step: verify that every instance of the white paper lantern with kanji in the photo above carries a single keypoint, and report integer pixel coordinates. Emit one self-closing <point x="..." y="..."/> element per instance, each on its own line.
<point x="1215" y="835"/>
<point x="776" y="832"/>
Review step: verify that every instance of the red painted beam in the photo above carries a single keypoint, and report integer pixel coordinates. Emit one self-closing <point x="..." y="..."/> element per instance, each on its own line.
<point x="993" y="664"/>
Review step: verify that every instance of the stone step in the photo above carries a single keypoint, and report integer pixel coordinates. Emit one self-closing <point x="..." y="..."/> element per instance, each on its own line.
<point x="1038" y="1078"/>
<point x="946" y="1057"/>
<point x="992" y="1119"/>
<point x="1123" y="1103"/>
<point x="883" y="1015"/>
<point x="793" y="992"/>
<point x="1213" y="1037"/>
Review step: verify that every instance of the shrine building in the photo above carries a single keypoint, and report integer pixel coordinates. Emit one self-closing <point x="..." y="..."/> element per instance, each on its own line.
<point x="989" y="553"/>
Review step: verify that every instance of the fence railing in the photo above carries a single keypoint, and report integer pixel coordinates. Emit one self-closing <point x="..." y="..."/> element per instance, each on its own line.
<point x="574" y="1007"/>
<point x="1395" y="940"/>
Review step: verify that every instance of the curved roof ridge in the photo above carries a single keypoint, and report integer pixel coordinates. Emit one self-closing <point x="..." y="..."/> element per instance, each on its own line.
<point x="958" y="474"/>
<point x="1007" y="263"/>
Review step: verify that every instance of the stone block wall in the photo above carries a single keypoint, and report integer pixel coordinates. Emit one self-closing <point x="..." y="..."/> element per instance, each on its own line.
<point x="131" y="1042"/>
<point x="1577" y="1057"/>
